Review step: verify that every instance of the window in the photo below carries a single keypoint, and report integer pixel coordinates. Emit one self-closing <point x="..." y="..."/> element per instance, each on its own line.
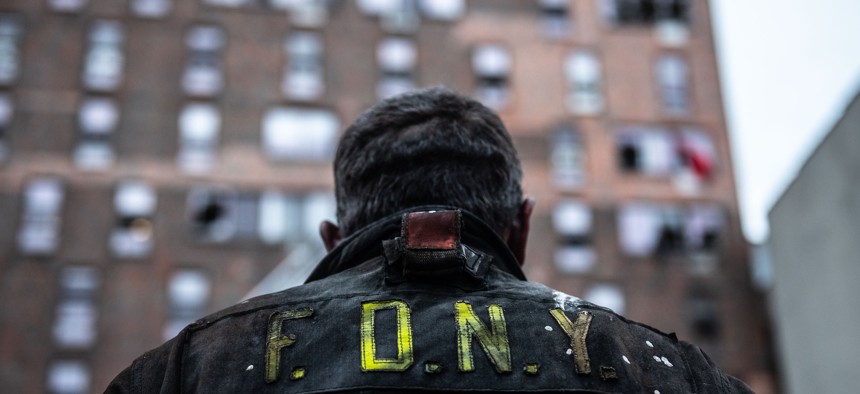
<point x="6" y="110"/>
<point x="104" y="59"/>
<point x="491" y="64"/>
<point x="704" y="315"/>
<point x="584" y="81"/>
<point x="75" y="323"/>
<point x="188" y="293"/>
<point x="293" y="218"/>
<point x="646" y="230"/>
<point x="97" y="120"/>
<point x="703" y="226"/>
<point x="555" y="18"/>
<point x="607" y="295"/>
<point x="11" y="32"/>
<point x="203" y="75"/>
<point x="199" y="125"/>
<point x="151" y="8"/>
<point x="687" y="154"/>
<point x="646" y="12"/>
<point x="292" y="133"/>
<point x="304" y="13"/>
<point x="673" y="79"/>
<point x="396" y="58"/>
<point x="221" y="215"/>
<point x="572" y="222"/>
<point x="40" y="225"/>
<point x="395" y="16"/>
<point x="69" y="377"/>
<point x="443" y="10"/>
<point x="646" y="150"/>
<point x="567" y="158"/>
<point x="696" y="152"/>
<point x="304" y="75"/>
<point x="67" y="5"/>
<point x="135" y="203"/>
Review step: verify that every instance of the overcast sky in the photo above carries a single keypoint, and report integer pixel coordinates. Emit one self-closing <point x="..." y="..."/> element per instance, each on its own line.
<point x="788" y="68"/>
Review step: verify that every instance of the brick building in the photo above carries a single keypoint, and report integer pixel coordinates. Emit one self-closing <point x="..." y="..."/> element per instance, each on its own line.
<point x="160" y="158"/>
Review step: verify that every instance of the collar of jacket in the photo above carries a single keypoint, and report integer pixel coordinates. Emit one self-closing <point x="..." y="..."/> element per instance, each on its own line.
<point x="366" y="244"/>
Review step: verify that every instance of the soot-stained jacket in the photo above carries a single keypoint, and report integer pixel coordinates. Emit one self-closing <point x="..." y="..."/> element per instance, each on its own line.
<point x="428" y="301"/>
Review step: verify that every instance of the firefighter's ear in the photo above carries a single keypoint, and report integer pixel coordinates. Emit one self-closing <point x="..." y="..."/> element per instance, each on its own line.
<point x="330" y="234"/>
<point x="518" y="234"/>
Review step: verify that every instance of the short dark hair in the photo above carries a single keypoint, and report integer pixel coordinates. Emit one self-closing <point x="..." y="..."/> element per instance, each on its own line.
<point x="430" y="146"/>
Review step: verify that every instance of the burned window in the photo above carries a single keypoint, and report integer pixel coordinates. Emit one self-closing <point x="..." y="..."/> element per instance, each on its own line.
<point x="221" y="215"/>
<point x="132" y="235"/>
<point x="646" y="12"/>
<point x="654" y="230"/>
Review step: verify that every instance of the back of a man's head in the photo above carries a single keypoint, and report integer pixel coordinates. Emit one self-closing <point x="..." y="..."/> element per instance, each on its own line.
<point x="429" y="146"/>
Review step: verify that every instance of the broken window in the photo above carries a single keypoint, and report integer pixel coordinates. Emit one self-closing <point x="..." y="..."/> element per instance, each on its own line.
<point x="491" y="64"/>
<point x="188" y="293"/>
<point x="304" y="75"/>
<point x="199" y="126"/>
<point x="646" y="12"/>
<point x="40" y="224"/>
<point x="294" y="133"/>
<point x="132" y="235"/>
<point x="648" y="229"/>
<point x="221" y="215"/>
<point x="97" y="120"/>
<point x="567" y="158"/>
<point x="204" y="74"/>
<point x="104" y="60"/>
<point x="11" y="33"/>
<point x="396" y="58"/>
<point x="572" y="222"/>
<point x="584" y="81"/>
<point x="75" y="324"/>
<point x="647" y="150"/>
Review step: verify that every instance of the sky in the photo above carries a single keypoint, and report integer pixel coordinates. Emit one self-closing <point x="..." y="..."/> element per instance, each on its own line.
<point x="788" y="68"/>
